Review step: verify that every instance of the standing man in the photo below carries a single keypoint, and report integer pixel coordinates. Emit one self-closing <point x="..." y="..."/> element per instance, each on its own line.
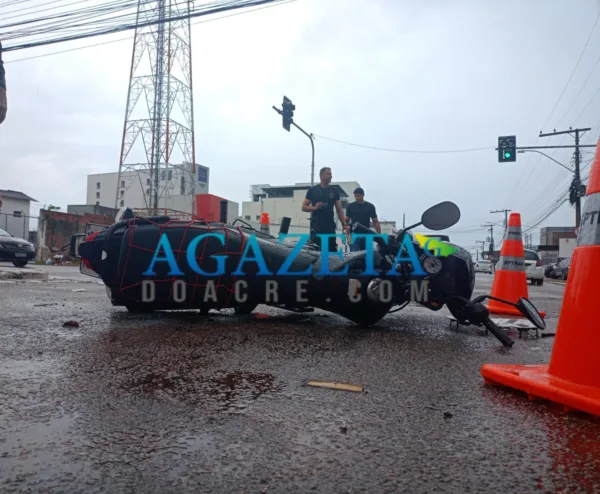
<point x="320" y="201"/>
<point x="362" y="212"/>
<point x="3" y="103"/>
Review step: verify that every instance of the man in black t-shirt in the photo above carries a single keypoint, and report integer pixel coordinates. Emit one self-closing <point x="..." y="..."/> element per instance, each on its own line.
<point x="362" y="212"/>
<point x="320" y="201"/>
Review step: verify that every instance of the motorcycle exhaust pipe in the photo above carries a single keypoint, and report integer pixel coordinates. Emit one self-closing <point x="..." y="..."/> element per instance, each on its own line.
<point x="380" y="291"/>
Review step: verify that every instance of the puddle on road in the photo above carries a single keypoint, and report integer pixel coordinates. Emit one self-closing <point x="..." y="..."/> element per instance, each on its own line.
<point x="25" y="369"/>
<point x="228" y="392"/>
<point x="32" y="448"/>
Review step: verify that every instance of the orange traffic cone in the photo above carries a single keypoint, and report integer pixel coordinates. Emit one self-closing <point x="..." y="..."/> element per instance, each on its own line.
<point x="510" y="280"/>
<point x="572" y="378"/>
<point x="264" y="224"/>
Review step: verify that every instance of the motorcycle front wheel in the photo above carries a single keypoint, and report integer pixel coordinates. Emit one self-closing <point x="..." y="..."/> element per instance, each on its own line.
<point x="364" y="318"/>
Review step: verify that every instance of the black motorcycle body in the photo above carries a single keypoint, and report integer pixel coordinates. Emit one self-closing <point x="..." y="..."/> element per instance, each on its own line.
<point x="123" y="254"/>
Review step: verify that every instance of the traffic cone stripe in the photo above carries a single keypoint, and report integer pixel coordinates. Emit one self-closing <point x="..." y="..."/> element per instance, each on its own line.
<point x="510" y="280"/>
<point x="511" y="263"/>
<point x="515" y="232"/>
<point x="589" y="227"/>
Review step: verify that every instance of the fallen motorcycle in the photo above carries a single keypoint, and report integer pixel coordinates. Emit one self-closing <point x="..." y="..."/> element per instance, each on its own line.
<point x="210" y="265"/>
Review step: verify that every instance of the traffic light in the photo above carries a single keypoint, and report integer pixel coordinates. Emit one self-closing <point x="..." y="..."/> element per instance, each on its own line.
<point x="507" y="149"/>
<point x="287" y="112"/>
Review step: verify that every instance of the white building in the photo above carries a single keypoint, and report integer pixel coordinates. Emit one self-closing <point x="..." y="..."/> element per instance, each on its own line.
<point x="136" y="190"/>
<point x="15" y="209"/>
<point x="286" y="201"/>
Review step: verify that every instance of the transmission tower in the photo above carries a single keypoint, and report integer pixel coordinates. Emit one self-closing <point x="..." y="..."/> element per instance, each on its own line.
<point x="157" y="151"/>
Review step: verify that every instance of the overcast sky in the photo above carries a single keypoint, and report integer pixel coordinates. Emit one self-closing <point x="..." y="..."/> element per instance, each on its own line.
<point x="414" y="75"/>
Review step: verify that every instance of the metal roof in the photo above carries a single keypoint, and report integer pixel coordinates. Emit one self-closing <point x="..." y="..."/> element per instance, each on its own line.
<point x="15" y="194"/>
<point x="267" y="188"/>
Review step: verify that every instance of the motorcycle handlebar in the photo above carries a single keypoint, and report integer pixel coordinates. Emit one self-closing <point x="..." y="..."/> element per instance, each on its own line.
<point x="498" y="333"/>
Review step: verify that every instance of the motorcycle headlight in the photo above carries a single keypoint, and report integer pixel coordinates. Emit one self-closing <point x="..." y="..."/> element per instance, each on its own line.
<point x="431" y="265"/>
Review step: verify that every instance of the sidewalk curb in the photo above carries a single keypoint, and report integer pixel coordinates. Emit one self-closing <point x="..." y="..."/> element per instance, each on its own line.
<point x="24" y="274"/>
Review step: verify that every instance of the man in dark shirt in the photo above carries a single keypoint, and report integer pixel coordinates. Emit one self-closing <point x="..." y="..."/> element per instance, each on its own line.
<point x="3" y="103"/>
<point x="320" y="201"/>
<point x="362" y="212"/>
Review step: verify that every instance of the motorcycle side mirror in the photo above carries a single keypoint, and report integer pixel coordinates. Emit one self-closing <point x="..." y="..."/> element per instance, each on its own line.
<point x="441" y="216"/>
<point x="75" y="243"/>
<point x="530" y="312"/>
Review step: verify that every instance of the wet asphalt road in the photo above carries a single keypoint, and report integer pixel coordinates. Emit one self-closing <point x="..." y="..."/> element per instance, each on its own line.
<point x="184" y="403"/>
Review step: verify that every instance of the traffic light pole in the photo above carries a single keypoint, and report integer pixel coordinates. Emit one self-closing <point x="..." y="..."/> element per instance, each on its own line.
<point x="312" y="145"/>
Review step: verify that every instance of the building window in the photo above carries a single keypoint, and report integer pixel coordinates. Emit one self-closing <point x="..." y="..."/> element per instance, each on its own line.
<point x="97" y="195"/>
<point x="97" y="203"/>
<point x="247" y="217"/>
<point x="164" y="175"/>
<point x="202" y="175"/>
<point x="258" y="217"/>
<point x="148" y="181"/>
<point x="97" y="185"/>
<point x="122" y="183"/>
<point x="182" y="185"/>
<point x="147" y="191"/>
<point x="122" y="193"/>
<point x="122" y="203"/>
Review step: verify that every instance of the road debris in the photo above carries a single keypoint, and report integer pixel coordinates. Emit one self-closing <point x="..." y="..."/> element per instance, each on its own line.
<point x="335" y="385"/>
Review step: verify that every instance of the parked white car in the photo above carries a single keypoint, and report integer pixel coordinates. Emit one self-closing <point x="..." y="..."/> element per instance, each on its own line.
<point x="534" y="267"/>
<point x="483" y="266"/>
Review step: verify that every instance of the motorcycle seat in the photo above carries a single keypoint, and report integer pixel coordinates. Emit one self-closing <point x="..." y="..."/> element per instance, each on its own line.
<point x="335" y="263"/>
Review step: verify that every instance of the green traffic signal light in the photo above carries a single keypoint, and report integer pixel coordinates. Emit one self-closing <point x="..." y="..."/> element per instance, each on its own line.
<point x="507" y="155"/>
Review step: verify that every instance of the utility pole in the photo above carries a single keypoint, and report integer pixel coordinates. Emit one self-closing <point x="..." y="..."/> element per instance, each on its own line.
<point x="505" y="211"/>
<point x="288" y="119"/>
<point x="491" y="227"/>
<point x="577" y="189"/>
<point x="482" y="242"/>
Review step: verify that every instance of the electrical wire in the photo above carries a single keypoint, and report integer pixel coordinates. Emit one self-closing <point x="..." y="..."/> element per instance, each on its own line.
<point x="196" y="12"/>
<point x="131" y="37"/>
<point x="574" y="70"/>
<point x="403" y="150"/>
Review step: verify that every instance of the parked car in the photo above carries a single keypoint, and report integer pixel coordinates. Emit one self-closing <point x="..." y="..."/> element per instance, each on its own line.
<point x="484" y="266"/>
<point x="548" y="270"/>
<point x="534" y="267"/>
<point x="15" y="249"/>
<point x="561" y="270"/>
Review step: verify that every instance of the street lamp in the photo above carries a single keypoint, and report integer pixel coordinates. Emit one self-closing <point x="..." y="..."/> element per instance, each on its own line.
<point x="549" y="157"/>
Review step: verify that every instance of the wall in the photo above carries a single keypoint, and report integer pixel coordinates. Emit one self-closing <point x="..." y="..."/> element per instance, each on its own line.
<point x="566" y="246"/>
<point x="291" y="207"/>
<point x="17" y="226"/>
<point x="55" y="229"/>
<point x="136" y="192"/>
<point x="552" y="235"/>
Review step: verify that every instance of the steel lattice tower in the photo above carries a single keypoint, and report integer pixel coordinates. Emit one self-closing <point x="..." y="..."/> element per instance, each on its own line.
<point x="162" y="163"/>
